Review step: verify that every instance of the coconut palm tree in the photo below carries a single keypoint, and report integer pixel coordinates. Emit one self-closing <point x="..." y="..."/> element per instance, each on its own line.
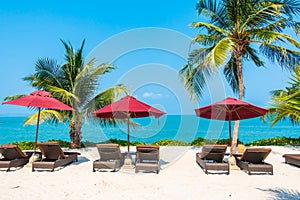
<point x="74" y="83"/>
<point x="234" y="33"/>
<point x="285" y="104"/>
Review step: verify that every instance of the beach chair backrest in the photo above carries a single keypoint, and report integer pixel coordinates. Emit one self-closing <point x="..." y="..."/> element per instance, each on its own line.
<point x="51" y="150"/>
<point x="11" y="152"/>
<point x="213" y="152"/>
<point x="256" y="155"/>
<point x="109" y="151"/>
<point x="147" y="152"/>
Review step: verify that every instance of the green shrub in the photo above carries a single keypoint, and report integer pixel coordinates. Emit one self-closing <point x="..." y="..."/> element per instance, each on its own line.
<point x="278" y="141"/>
<point x="201" y="141"/>
<point x="122" y="142"/>
<point x="168" y="142"/>
<point x="29" y="145"/>
<point x="25" y="145"/>
<point x="198" y="142"/>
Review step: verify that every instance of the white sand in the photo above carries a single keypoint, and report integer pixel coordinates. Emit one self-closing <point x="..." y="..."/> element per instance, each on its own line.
<point x="179" y="178"/>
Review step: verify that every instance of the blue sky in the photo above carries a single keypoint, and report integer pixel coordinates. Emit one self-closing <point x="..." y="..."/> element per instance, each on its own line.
<point x="33" y="29"/>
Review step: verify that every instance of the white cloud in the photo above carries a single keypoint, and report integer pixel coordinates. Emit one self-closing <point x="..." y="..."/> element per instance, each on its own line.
<point x="152" y="95"/>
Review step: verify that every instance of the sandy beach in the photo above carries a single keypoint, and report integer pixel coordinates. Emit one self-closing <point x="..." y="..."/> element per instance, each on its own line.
<point x="179" y="178"/>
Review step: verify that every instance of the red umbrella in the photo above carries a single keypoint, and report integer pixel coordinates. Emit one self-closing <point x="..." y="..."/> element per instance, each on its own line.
<point x="126" y="108"/>
<point x="39" y="99"/>
<point x="230" y="109"/>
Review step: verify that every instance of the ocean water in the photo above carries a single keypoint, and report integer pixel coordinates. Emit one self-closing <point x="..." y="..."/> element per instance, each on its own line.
<point x="175" y="127"/>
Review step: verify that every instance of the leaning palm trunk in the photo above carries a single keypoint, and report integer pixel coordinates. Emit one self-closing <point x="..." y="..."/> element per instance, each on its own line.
<point x="75" y="134"/>
<point x="241" y="94"/>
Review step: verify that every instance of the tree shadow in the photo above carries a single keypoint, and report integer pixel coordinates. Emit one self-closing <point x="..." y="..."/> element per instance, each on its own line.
<point x="280" y="193"/>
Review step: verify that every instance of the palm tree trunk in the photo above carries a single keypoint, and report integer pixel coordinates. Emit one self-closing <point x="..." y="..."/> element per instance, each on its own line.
<point x="75" y="134"/>
<point x="241" y="94"/>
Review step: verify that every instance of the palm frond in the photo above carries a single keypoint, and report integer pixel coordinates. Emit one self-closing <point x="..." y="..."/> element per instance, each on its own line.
<point x="215" y="11"/>
<point x="69" y="52"/>
<point x="272" y="36"/>
<point x="251" y="54"/>
<point x="262" y="13"/>
<point x="285" y="104"/>
<point x="63" y="95"/>
<point x="105" y="97"/>
<point x="296" y="28"/>
<point x="74" y="63"/>
<point x="46" y="72"/>
<point x="282" y="110"/>
<point x="277" y="26"/>
<point x="199" y="55"/>
<point x="290" y="8"/>
<point x="207" y="39"/>
<point x="209" y="27"/>
<point x="194" y="79"/>
<point x="278" y="92"/>
<point x="87" y="81"/>
<point x="286" y="58"/>
<point x="45" y="115"/>
<point x="231" y="74"/>
<point x="237" y="12"/>
<point x="13" y="97"/>
<point x="267" y="36"/>
<point x="291" y="40"/>
<point x="218" y="54"/>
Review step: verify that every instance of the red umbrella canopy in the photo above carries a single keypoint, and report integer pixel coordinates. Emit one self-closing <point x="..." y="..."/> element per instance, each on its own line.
<point x="125" y="108"/>
<point x="39" y="99"/>
<point x="128" y="107"/>
<point x="230" y="109"/>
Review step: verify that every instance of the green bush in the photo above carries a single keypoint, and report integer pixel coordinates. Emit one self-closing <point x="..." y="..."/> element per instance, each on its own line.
<point x="122" y="142"/>
<point x="168" y="142"/>
<point x="198" y="142"/>
<point x="278" y="141"/>
<point x="25" y="145"/>
<point x="201" y="141"/>
<point x="29" y="145"/>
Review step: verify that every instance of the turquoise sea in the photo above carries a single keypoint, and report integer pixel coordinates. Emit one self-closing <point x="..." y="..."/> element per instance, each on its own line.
<point x="179" y="127"/>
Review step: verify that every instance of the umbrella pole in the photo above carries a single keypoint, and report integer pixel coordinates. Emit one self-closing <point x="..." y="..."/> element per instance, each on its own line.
<point x="37" y="130"/>
<point x="128" y="137"/>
